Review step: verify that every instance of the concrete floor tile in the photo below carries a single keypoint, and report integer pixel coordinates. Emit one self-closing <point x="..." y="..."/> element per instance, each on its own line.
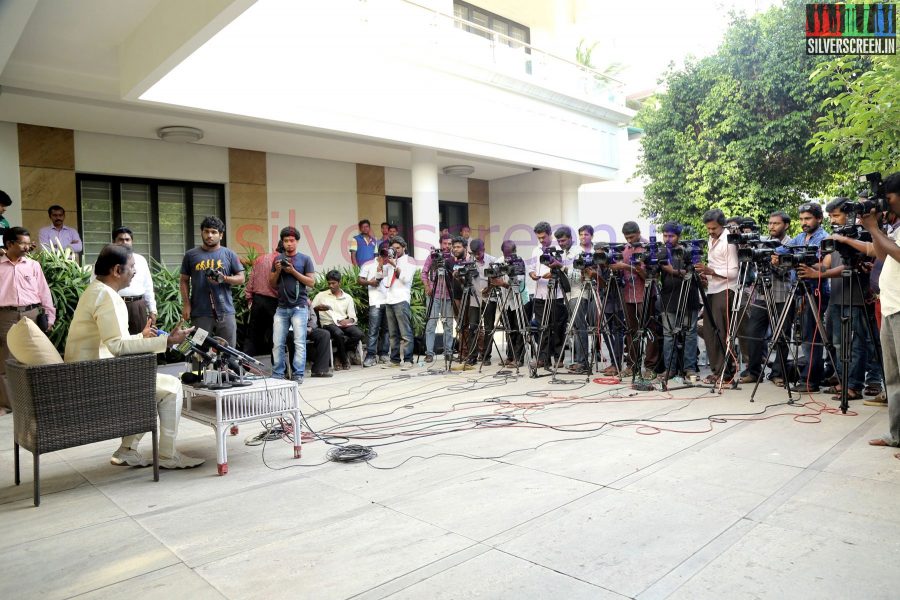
<point x="56" y="476"/>
<point x="80" y="561"/>
<point x="619" y="540"/>
<point x="338" y="560"/>
<point x="74" y="509"/>
<point x="219" y="527"/>
<point x="486" y="502"/>
<point x="499" y="576"/>
<point x="176" y="581"/>
<point x="869" y="462"/>
<point x="772" y="562"/>
<point x="721" y="482"/>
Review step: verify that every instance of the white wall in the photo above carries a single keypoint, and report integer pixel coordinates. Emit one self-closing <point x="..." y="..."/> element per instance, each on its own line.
<point x="9" y="171"/>
<point x="139" y="157"/>
<point x="318" y="197"/>
<point x="519" y="202"/>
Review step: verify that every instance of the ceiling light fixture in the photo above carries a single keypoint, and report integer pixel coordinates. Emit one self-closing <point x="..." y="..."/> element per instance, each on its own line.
<point x="179" y="134"/>
<point x="458" y="170"/>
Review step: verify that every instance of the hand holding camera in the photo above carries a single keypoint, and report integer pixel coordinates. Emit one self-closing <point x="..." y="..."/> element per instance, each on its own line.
<point x="215" y="276"/>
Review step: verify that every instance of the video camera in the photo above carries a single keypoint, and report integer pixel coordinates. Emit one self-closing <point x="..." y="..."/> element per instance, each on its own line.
<point x="876" y="201"/>
<point x="513" y="267"/>
<point x="606" y="253"/>
<point x="650" y="257"/>
<point x="759" y="251"/>
<point x="743" y="232"/>
<point x="551" y="255"/>
<point x="439" y="259"/>
<point x="805" y="255"/>
<point x="692" y="248"/>
<point x="466" y="270"/>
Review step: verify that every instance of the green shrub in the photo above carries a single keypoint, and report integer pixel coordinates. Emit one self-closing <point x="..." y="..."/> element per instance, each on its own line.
<point x="67" y="280"/>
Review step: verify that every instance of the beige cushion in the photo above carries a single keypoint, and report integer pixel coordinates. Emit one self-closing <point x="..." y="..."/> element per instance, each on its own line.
<point x="28" y="344"/>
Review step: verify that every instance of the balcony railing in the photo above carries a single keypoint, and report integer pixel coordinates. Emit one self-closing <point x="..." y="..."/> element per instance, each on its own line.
<point x="478" y="45"/>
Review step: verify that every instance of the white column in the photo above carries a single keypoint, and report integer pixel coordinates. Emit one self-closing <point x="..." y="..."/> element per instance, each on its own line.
<point x="568" y="196"/>
<point x="425" y="213"/>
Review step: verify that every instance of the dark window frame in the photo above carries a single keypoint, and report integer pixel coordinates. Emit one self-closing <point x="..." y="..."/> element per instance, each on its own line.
<point x="406" y="204"/>
<point x="153" y="184"/>
<point x="491" y="16"/>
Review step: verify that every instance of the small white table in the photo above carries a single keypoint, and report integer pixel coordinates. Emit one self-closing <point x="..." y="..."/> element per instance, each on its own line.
<point x="224" y="409"/>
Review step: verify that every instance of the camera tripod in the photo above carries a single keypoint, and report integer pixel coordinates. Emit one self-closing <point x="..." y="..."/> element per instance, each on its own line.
<point x="678" y="328"/>
<point x="799" y="289"/>
<point x="440" y="282"/>
<point x="643" y="332"/>
<point x="510" y="301"/>
<point x="587" y="294"/>
<point x="463" y="324"/>
<point x="613" y="328"/>
<point x="546" y="325"/>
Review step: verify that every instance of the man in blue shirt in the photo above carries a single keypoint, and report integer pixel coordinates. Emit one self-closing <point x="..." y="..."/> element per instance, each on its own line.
<point x="291" y="274"/>
<point x="811" y="363"/>
<point x="363" y="245"/>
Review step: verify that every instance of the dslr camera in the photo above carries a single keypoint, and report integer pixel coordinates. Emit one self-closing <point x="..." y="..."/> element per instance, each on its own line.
<point x="217" y="275"/>
<point x="285" y="262"/>
<point x="386" y="253"/>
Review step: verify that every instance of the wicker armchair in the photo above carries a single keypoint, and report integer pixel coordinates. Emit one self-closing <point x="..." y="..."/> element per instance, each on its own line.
<point x="66" y="405"/>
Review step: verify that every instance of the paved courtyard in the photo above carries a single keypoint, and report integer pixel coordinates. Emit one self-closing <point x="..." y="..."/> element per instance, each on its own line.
<point x="483" y="487"/>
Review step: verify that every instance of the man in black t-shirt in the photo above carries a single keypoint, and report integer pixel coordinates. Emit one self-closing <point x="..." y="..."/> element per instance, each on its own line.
<point x="291" y="274"/>
<point x="207" y="274"/>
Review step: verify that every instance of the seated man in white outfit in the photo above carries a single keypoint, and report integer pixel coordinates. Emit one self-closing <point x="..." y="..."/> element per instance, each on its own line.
<point x="99" y="329"/>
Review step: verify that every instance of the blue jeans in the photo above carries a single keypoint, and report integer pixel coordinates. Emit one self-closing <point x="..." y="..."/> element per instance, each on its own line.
<point x="440" y="308"/>
<point x="378" y="343"/>
<point x="399" y="318"/>
<point x="857" y="373"/>
<point x="688" y="362"/>
<point x="284" y="318"/>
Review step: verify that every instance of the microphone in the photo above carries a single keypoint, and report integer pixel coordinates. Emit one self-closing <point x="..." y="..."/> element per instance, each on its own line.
<point x="188" y="347"/>
<point x="204" y="340"/>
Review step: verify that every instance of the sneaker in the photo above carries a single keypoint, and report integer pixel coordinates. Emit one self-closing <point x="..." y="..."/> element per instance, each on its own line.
<point x="429" y="358"/>
<point x="384" y="359"/>
<point x="406" y="365"/>
<point x="126" y="457"/>
<point x="180" y="461"/>
<point x="390" y="365"/>
<point x="298" y="379"/>
<point x="879" y="400"/>
<point x="690" y="375"/>
<point x="369" y="362"/>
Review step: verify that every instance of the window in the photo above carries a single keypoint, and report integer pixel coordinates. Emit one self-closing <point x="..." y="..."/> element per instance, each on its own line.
<point x="164" y="215"/>
<point x="518" y="32"/>
<point x="452" y="214"/>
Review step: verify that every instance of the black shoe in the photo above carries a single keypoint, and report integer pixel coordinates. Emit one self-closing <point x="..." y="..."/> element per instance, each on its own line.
<point x="805" y="389"/>
<point x="323" y="374"/>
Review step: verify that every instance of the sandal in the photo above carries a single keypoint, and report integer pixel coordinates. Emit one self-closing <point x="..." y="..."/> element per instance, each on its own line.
<point x="710" y="379"/>
<point x="878" y="442"/>
<point x="851" y="395"/>
<point x="834" y="389"/>
<point x="872" y="390"/>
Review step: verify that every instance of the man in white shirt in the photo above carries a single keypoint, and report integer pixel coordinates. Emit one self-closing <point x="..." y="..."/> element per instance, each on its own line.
<point x="371" y="275"/>
<point x="484" y="305"/>
<point x="337" y="314"/>
<point x="540" y="273"/>
<point x="721" y="275"/>
<point x="398" y="275"/>
<point x="138" y="296"/>
<point x="99" y="330"/>
<point x="586" y="317"/>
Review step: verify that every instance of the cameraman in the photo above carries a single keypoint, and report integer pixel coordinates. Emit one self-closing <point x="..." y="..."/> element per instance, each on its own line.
<point x="635" y="276"/>
<point x="292" y="272"/>
<point x="757" y="320"/>
<point x="720" y="273"/>
<point x="371" y="275"/>
<point x="436" y="285"/>
<point x="552" y="337"/>
<point x="812" y="235"/>
<point x="485" y="305"/>
<point x="514" y="284"/>
<point x="585" y="318"/>
<point x="398" y="275"/>
<point x="207" y="274"/>
<point x="676" y="274"/>
<point x="847" y="303"/>
<point x="888" y="250"/>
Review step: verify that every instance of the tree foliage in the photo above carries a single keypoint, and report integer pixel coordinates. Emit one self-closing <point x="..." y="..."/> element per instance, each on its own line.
<point x="731" y="130"/>
<point x="860" y="124"/>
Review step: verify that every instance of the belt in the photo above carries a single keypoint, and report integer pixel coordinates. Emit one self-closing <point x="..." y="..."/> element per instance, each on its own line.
<point x="132" y="298"/>
<point x="21" y="308"/>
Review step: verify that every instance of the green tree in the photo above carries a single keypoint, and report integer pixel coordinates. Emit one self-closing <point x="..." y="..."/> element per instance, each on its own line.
<point x="730" y="131"/>
<point x="860" y="124"/>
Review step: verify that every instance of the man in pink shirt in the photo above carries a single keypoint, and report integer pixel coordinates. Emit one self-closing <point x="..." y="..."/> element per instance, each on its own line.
<point x="23" y="292"/>
<point x="721" y="275"/>
<point x="262" y="298"/>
